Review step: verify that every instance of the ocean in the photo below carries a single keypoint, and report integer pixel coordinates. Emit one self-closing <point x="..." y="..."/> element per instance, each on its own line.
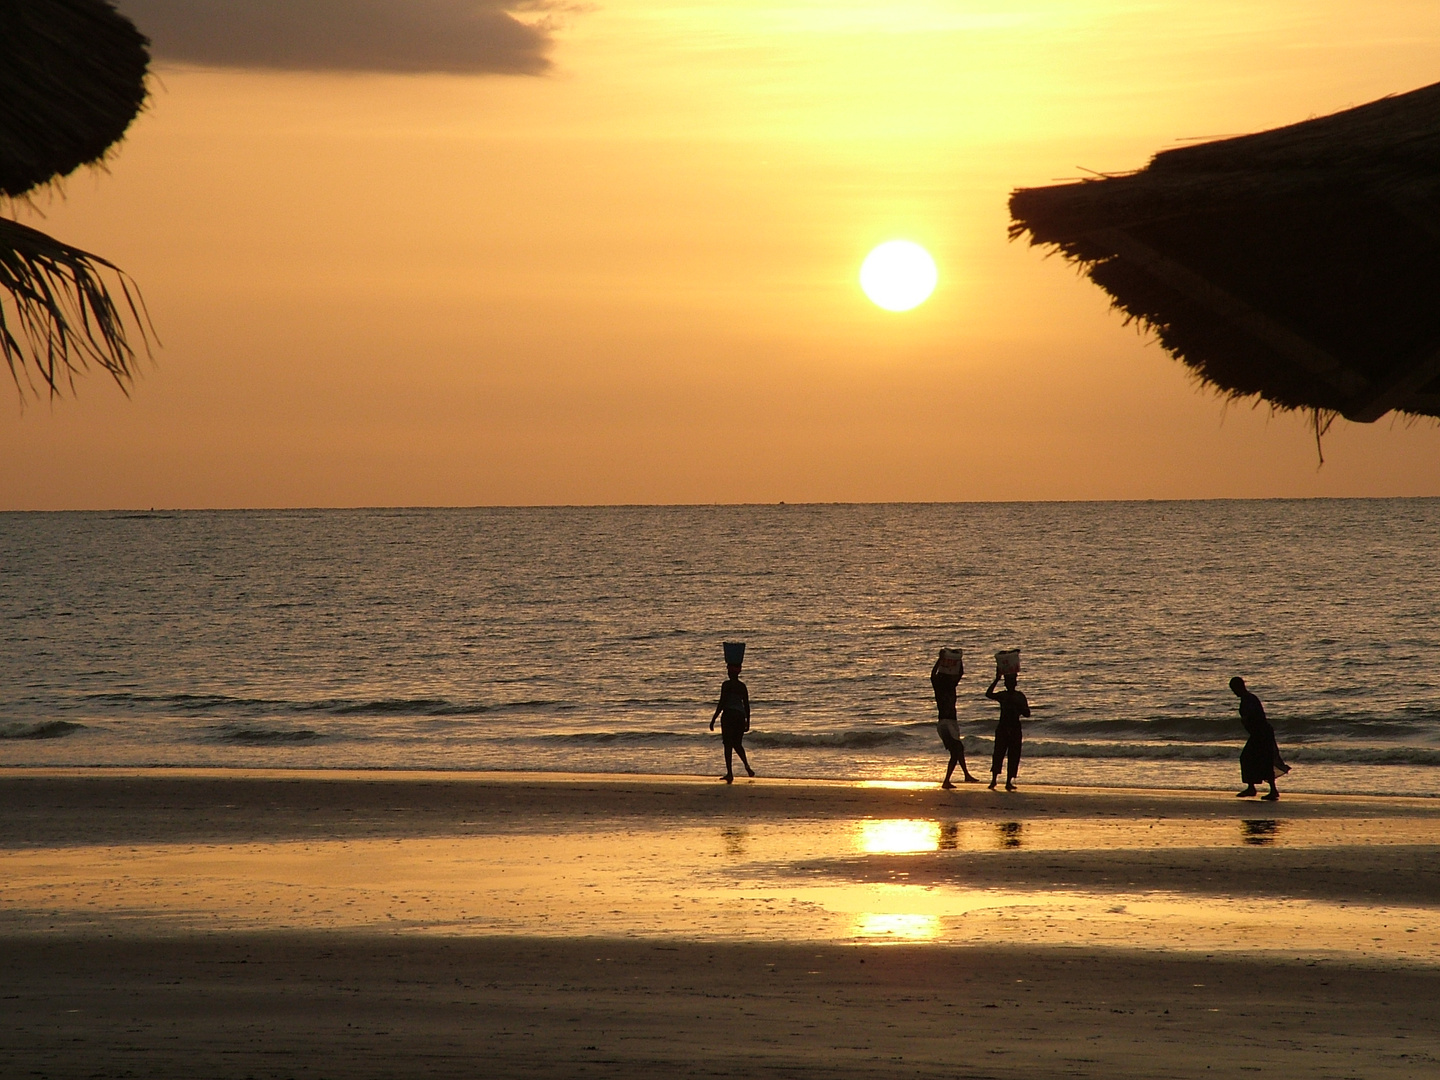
<point x="588" y="640"/>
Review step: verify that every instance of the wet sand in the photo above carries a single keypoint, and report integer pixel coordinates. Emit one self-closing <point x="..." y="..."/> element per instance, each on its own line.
<point x="342" y="1006"/>
<point x="361" y="925"/>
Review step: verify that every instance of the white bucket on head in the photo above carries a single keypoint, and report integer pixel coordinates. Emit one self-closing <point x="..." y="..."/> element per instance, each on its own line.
<point x="1007" y="662"/>
<point x="951" y="661"/>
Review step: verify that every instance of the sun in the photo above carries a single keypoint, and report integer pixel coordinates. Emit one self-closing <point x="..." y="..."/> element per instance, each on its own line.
<point x="898" y="275"/>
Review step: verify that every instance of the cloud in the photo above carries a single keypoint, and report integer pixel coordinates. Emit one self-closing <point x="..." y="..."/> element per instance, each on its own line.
<point x="457" y="36"/>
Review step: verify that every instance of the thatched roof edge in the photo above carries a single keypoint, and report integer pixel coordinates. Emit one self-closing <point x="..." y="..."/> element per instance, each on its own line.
<point x="73" y="76"/>
<point x="1190" y="247"/>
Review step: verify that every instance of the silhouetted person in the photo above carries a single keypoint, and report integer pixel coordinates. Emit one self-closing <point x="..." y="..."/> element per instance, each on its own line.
<point x="733" y="709"/>
<point x="1007" y="732"/>
<point x="949" y="726"/>
<point x="1260" y="759"/>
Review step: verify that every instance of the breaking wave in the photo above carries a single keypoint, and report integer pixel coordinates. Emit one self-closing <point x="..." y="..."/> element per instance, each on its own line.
<point x="200" y="704"/>
<point x="249" y="736"/>
<point x="47" y="729"/>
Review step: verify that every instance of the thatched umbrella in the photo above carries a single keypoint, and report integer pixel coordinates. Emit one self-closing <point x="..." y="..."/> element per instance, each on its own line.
<point x="1301" y="264"/>
<point x="72" y="77"/>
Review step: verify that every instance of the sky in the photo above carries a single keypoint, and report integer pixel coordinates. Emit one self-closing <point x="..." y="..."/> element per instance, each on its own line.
<point x="465" y="252"/>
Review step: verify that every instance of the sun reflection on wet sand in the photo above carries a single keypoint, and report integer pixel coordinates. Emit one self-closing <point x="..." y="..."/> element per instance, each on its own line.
<point x="790" y="881"/>
<point x="897" y="836"/>
<point x="897" y="927"/>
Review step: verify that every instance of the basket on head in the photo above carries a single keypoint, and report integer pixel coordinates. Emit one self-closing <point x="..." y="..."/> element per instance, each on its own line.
<point x="951" y="662"/>
<point x="734" y="653"/>
<point x="1007" y="662"/>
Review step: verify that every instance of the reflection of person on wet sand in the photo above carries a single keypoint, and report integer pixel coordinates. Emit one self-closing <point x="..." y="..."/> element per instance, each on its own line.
<point x="1260" y="759"/>
<point x="733" y="709"/>
<point x="1259" y="833"/>
<point x="1013" y="706"/>
<point x="949" y="726"/>
<point x="735" y="840"/>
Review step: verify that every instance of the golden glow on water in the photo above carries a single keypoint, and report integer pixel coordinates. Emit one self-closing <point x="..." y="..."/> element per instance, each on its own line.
<point x="897" y="836"/>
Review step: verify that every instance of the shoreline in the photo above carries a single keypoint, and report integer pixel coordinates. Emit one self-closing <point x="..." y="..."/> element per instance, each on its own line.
<point x="619" y="778"/>
<point x="628" y="793"/>
<point x="907" y="778"/>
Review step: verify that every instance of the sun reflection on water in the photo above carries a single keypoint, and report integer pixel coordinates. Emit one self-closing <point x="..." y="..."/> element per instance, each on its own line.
<point x="897" y="836"/>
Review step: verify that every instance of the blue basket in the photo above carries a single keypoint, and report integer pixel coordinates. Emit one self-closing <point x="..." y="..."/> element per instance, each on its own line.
<point x="734" y="653"/>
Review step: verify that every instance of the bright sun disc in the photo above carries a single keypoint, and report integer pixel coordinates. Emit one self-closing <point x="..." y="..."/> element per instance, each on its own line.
<point x="898" y="275"/>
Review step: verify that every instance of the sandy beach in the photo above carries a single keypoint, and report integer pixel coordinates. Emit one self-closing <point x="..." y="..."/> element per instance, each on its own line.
<point x="209" y="923"/>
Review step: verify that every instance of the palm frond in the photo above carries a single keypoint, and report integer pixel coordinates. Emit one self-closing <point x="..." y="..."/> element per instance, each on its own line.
<point x="58" y="315"/>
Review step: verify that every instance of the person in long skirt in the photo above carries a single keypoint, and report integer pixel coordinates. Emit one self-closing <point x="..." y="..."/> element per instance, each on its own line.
<point x="949" y="726"/>
<point x="1260" y="759"/>
<point x="1013" y="705"/>
<point x="733" y="711"/>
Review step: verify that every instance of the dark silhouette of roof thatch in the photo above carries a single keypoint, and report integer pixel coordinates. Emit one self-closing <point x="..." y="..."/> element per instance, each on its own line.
<point x="1301" y="264"/>
<point x="72" y="78"/>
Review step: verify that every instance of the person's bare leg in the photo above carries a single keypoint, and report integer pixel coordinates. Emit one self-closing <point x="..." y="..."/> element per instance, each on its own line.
<point x="744" y="760"/>
<point x="994" y="779"/>
<point x="1250" y="790"/>
<point x="729" y="776"/>
<point x="1273" y="795"/>
<point x="965" y="770"/>
<point x="949" y="772"/>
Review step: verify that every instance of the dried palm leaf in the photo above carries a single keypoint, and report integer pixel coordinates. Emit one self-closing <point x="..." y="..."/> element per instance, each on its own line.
<point x="58" y="315"/>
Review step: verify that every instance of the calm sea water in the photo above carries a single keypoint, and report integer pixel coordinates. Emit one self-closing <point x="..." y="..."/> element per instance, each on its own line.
<point x="588" y="639"/>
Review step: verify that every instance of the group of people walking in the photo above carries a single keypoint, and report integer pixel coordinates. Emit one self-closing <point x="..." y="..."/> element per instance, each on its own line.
<point x="1260" y="760"/>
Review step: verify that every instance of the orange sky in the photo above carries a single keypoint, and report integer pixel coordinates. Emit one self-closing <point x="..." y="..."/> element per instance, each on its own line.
<point x="634" y="278"/>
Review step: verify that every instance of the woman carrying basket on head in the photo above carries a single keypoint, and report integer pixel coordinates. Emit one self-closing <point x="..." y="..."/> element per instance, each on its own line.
<point x="733" y="710"/>
<point x="945" y="677"/>
<point x="1013" y="706"/>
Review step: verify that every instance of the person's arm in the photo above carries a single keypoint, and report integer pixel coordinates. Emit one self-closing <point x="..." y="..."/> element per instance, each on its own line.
<point x="1024" y="705"/>
<point x="990" y="691"/>
<point x="934" y="670"/>
<point x="718" y="706"/>
<point x="745" y="693"/>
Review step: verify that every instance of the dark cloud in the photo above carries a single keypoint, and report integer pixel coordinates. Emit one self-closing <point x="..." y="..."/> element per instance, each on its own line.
<point x="457" y="36"/>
